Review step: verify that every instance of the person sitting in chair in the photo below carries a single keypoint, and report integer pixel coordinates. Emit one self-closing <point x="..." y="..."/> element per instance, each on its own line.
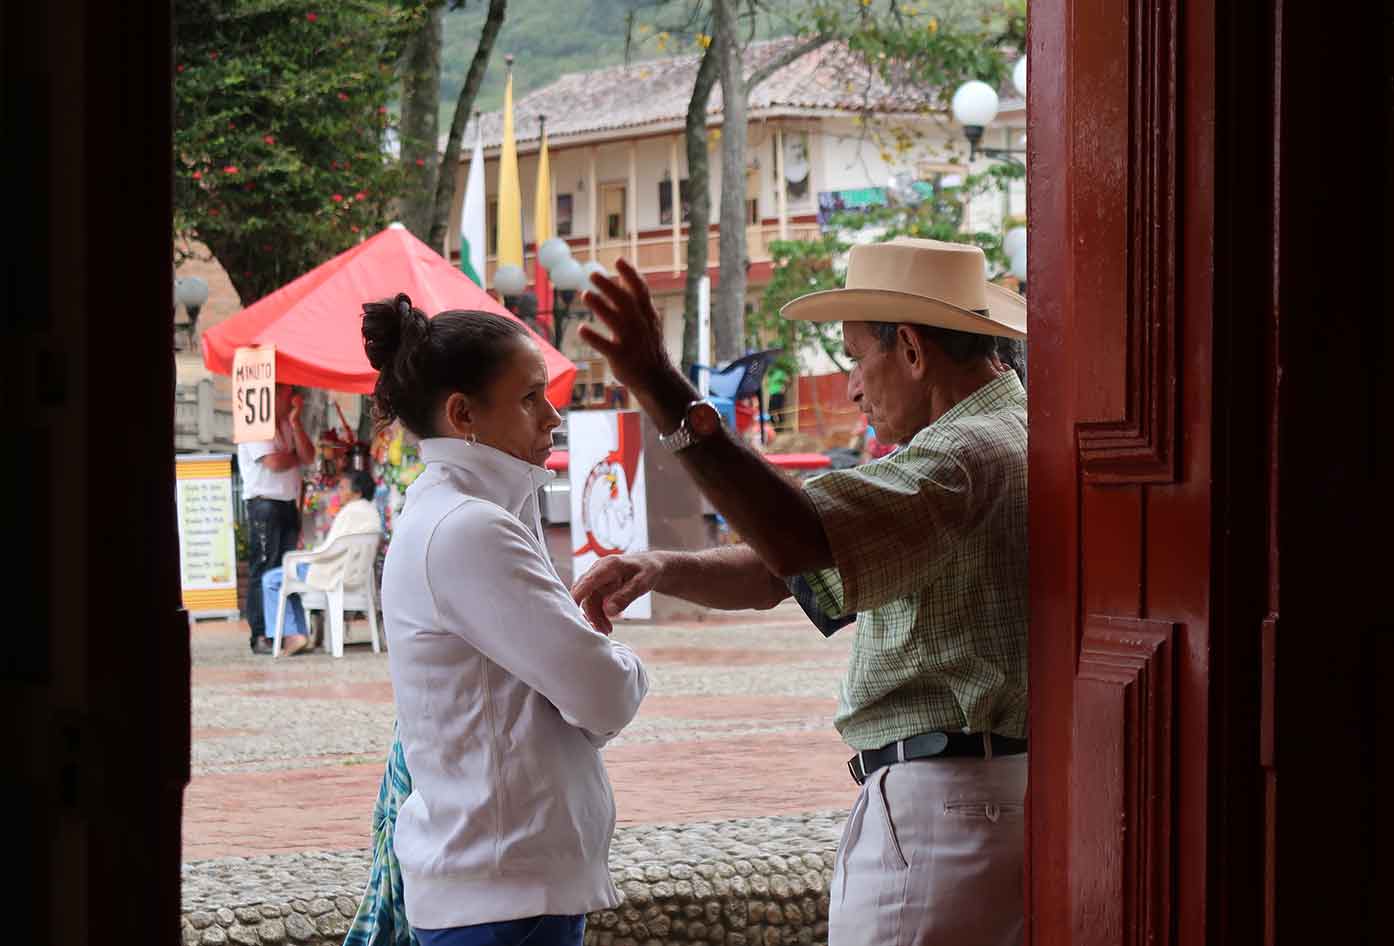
<point x="357" y="515"/>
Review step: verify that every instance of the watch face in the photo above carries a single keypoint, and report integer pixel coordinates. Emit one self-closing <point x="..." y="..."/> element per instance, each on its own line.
<point x="704" y="420"/>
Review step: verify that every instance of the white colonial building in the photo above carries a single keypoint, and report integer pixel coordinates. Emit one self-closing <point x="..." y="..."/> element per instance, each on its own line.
<point x="823" y="134"/>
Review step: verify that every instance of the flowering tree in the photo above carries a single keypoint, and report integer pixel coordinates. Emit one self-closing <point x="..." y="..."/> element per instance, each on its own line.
<point x="280" y="122"/>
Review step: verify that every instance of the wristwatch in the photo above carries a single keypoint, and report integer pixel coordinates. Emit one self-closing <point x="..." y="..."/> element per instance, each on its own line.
<point x="699" y="421"/>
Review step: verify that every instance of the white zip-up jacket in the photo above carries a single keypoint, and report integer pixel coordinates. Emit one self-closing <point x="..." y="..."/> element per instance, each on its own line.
<point x="504" y="695"/>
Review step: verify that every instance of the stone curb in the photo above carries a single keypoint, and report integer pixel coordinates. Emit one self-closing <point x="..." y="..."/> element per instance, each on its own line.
<point x="752" y="882"/>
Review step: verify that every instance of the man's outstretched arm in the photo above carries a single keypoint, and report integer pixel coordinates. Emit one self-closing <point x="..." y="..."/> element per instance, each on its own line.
<point x="729" y="579"/>
<point x="765" y="508"/>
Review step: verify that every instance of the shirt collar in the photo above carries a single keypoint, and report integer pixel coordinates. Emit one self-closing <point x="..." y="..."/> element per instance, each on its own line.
<point x="1000" y="391"/>
<point x="491" y="474"/>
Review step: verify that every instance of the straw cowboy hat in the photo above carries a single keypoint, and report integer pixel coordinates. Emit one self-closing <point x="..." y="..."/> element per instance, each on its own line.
<point x="927" y="282"/>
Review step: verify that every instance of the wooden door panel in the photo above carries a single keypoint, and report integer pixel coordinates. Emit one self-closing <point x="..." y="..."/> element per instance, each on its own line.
<point x="1124" y="150"/>
<point x="1122" y="786"/>
<point x="1130" y="609"/>
<point x="1112" y="518"/>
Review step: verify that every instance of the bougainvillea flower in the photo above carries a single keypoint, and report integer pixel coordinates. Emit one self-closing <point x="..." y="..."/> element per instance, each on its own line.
<point x="337" y="198"/>
<point x="230" y="169"/>
<point x="269" y="139"/>
<point x="312" y="17"/>
<point x="361" y="195"/>
<point x="198" y="175"/>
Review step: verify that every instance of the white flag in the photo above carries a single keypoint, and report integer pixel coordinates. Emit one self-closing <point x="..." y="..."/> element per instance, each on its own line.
<point x="472" y="245"/>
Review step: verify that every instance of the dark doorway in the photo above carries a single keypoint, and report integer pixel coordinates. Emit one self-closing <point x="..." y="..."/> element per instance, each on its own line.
<point x="96" y="653"/>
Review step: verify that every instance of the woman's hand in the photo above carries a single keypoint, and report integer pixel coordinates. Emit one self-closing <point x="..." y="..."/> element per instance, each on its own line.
<point x="612" y="584"/>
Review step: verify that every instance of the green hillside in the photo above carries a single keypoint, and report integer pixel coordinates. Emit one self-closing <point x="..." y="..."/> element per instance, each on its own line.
<point x="549" y="38"/>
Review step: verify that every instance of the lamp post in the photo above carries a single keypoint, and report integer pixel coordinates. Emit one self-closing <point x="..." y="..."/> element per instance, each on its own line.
<point x="975" y="105"/>
<point x="192" y="293"/>
<point x="568" y="276"/>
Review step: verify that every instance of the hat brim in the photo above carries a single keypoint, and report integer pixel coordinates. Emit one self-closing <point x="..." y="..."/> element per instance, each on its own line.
<point x="1006" y="310"/>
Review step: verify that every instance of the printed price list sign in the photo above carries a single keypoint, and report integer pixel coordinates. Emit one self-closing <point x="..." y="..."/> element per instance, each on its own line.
<point x="254" y="394"/>
<point x="207" y="543"/>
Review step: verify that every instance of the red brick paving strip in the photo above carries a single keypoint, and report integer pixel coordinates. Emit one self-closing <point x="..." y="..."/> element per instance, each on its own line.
<point x="330" y="808"/>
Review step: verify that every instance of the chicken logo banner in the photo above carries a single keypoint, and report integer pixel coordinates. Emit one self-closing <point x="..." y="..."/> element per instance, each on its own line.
<point x="609" y="504"/>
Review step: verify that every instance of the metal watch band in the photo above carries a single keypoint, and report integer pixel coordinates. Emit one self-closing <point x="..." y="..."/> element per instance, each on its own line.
<point x="682" y="437"/>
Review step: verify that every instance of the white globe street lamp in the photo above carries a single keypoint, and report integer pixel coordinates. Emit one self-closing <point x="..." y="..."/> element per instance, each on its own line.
<point x="975" y="105"/>
<point x="510" y="280"/>
<point x="569" y="276"/>
<point x="1014" y="241"/>
<point x="552" y="253"/>
<point x="1019" y="265"/>
<point x="192" y="293"/>
<point x="591" y="268"/>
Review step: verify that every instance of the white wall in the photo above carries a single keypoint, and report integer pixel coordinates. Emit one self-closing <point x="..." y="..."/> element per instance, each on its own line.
<point x="842" y="154"/>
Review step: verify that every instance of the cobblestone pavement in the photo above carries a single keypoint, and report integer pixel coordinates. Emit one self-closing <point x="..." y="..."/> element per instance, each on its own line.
<point x="288" y="754"/>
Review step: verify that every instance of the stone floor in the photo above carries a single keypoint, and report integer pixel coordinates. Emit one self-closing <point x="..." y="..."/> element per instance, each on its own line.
<point x="288" y="753"/>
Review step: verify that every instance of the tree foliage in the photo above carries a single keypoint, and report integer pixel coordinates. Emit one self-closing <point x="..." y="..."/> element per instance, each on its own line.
<point x="280" y="120"/>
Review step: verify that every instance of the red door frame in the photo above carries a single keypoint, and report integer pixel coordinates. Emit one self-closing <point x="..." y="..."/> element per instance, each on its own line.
<point x="1203" y="421"/>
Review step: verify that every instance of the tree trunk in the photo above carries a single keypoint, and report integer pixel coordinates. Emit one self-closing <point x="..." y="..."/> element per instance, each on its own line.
<point x="699" y="200"/>
<point x="420" y="117"/>
<point x="450" y="161"/>
<point x="728" y="315"/>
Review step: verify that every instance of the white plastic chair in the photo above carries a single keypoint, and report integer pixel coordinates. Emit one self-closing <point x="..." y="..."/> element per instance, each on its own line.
<point x="356" y="590"/>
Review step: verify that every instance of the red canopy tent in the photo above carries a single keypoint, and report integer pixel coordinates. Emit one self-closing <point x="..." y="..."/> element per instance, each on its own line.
<point x="315" y="321"/>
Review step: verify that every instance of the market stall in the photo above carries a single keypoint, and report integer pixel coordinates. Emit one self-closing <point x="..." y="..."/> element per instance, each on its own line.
<point x="315" y="326"/>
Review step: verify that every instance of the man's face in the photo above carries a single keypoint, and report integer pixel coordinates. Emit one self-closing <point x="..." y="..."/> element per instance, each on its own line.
<point x="885" y="383"/>
<point x="346" y="493"/>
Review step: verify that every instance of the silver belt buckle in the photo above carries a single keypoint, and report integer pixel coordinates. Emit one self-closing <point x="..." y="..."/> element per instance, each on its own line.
<point x="857" y="768"/>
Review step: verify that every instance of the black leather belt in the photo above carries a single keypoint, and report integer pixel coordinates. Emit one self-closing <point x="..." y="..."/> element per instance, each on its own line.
<point x="930" y="745"/>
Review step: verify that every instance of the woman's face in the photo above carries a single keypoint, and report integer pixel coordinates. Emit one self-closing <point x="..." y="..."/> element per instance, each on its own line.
<point x="515" y="415"/>
<point x="346" y="493"/>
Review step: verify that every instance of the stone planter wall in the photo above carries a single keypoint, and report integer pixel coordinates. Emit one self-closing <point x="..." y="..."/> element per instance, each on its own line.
<point x="755" y="882"/>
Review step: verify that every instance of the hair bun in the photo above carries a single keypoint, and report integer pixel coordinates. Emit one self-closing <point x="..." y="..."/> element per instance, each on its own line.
<point x="389" y="327"/>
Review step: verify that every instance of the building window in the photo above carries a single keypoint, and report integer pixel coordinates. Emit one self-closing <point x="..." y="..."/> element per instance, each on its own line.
<point x="797" y="169"/>
<point x="491" y="226"/>
<point x="665" y="202"/>
<point x="613" y="212"/>
<point x="752" y="210"/>
<point x="564" y="214"/>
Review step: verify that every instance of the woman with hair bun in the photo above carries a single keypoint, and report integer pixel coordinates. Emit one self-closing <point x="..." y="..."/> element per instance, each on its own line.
<point x="504" y="691"/>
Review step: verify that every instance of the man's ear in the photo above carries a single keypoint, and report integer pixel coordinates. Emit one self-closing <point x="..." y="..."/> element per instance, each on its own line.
<point x="910" y="346"/>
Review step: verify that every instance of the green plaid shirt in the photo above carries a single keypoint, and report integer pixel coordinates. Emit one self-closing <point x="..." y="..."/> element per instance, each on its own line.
<point x="929" y="545"/>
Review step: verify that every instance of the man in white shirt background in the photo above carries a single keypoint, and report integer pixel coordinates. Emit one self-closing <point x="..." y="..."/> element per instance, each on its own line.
<point x="271" y="479"/>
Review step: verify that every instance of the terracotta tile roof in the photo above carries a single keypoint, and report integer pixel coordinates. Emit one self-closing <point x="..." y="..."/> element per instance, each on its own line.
<point x="657" y="92"/>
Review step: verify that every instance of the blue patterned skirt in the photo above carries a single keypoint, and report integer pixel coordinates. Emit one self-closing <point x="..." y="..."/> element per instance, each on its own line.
<point x="382" y="915"/>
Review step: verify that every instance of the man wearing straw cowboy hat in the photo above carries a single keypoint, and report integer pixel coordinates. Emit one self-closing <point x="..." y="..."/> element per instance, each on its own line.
<point x="924" y="548"/>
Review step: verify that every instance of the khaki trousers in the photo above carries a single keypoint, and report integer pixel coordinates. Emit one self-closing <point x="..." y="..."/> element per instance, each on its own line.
<point x="932" y="854"/>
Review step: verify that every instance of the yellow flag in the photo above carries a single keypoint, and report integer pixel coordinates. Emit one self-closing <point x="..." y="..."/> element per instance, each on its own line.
<point x="510" y="220"/>
<point x="542" y="212"/>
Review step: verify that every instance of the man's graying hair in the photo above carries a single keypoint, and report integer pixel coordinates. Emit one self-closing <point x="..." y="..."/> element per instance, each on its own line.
<point x="961" y="347"/>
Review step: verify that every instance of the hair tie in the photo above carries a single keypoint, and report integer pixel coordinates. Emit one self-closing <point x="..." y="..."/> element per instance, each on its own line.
<point x="404" y="307"/>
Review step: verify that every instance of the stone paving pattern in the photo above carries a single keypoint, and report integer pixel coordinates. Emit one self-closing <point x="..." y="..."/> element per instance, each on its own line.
<point x="730" y="786"/>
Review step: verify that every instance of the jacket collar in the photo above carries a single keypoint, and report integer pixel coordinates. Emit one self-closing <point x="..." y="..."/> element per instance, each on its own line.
<point x="490" y="474"/>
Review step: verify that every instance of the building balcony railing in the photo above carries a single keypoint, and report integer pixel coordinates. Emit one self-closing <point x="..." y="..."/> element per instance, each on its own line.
<point x="653" y="250"/>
